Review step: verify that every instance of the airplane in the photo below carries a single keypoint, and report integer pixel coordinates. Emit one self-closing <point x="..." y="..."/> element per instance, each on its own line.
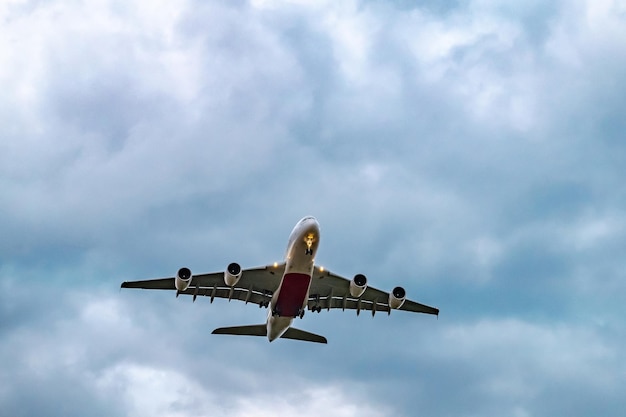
<point x="287" y="289"/>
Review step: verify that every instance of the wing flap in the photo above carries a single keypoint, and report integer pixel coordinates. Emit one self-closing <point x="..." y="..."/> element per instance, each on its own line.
<point x="249" y="295"/>
<point x="348" y="303"/>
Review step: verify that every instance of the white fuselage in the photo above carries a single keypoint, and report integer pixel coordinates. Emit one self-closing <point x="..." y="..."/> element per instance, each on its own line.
<point x="291" y="298"/>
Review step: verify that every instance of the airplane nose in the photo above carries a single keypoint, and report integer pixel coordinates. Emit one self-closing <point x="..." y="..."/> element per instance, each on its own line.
<point x="313" y="225"/>
<point x="310" y="221"/>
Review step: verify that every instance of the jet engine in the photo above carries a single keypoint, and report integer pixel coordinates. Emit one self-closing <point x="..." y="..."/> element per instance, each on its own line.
<point x="358" y="285"/>
<point x="183" y="279"/>
<point x="397" y="297"/>
<point x="232" y="274"/>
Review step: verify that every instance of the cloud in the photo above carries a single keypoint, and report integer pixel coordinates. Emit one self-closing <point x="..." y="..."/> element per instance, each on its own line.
<point x="133" y="356"/>
<point x="93" y="347"/>
<point x="157" y="392"/>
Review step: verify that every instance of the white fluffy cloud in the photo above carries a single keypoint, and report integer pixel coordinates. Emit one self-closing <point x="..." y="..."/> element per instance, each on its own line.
<point x="160" y="392"/>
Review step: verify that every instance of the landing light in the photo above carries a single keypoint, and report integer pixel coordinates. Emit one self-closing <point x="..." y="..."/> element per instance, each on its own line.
<point x="275" y="264"/>
<point x="321" y="269"/>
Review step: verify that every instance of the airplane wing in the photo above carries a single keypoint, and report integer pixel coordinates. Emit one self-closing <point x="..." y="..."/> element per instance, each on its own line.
<point x="329" y="290"/>
<point x="256" y="285"/>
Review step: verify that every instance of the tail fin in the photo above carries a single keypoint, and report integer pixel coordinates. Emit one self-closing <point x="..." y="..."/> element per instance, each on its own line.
<point x="261" y="330"/>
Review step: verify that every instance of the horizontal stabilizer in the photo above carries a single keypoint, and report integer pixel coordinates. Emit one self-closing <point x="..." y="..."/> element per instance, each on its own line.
<point x="261" y="330"/>
<point x="254" y="330"/>
<point x="297" y="334"/>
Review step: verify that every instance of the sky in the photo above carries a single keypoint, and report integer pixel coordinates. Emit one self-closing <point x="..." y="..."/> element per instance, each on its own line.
<point x="471" y="151"/>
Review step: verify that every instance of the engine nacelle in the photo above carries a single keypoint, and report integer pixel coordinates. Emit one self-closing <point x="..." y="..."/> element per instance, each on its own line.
<point x="358" y="285"/>
<point x="397" y="297"/>
<point x="183" y="279"/>
<point x="232" y="274"/>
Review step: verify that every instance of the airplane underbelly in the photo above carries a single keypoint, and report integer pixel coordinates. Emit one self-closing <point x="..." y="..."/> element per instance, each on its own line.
<point x="292" y="294"/>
